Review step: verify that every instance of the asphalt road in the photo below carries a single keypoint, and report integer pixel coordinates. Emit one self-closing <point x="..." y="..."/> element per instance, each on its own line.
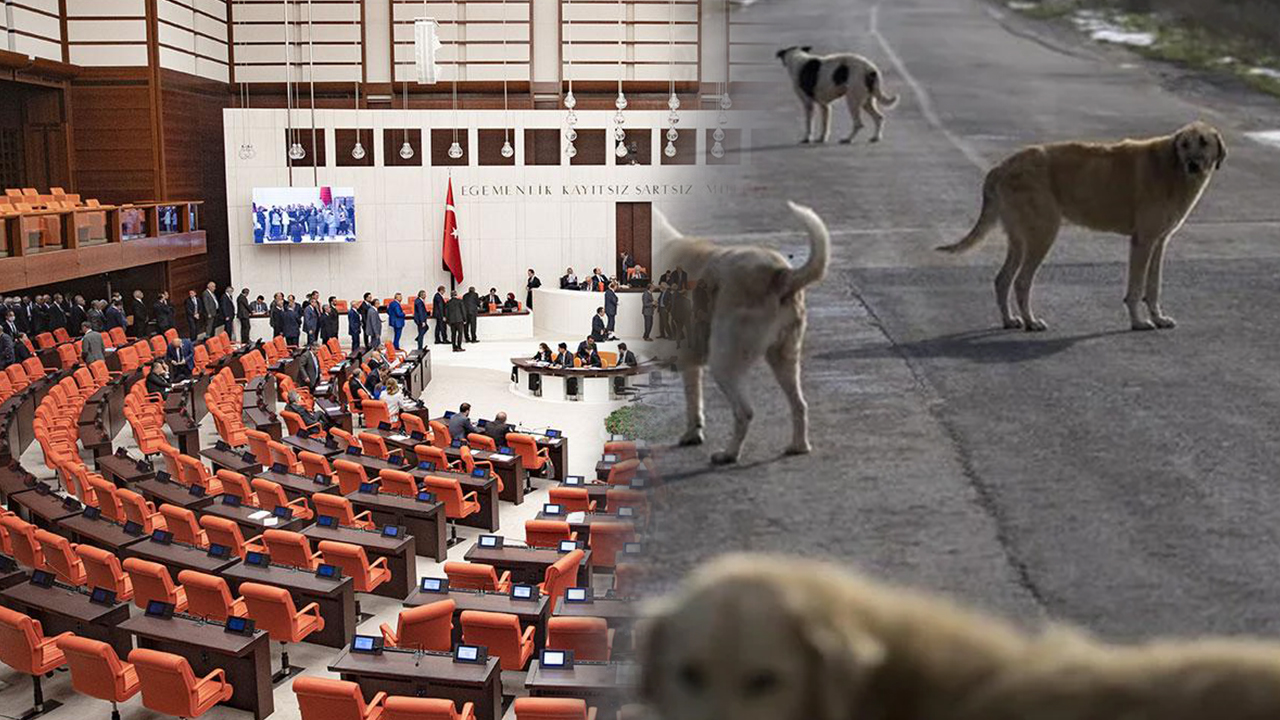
<point x="1128" y="482"/>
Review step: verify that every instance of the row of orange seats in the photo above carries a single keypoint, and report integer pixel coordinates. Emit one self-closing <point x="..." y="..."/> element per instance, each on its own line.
<point x="325" y="699"/>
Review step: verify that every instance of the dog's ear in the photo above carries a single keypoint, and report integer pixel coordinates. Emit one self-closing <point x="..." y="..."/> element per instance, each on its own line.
<point x="807" y="48"/>
<point x="841" y="660"/>
<point x="783" y="53"/>
<point x="1222" y="150"/>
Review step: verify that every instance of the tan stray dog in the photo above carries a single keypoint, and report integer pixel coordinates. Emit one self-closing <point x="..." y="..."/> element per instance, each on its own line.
<point x="1143" y="189"/>
<point x="757" y="309"/>
<point x="773" y="638"/>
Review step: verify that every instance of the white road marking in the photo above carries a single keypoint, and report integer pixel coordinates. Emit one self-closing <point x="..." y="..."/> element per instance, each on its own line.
<point x="1266" y="137"/>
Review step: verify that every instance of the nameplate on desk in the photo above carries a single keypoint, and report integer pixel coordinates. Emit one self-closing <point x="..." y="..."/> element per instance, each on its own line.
<point x="195" y="490"/>
<point x="320" y="479"/>
<point x="471" y="654"/>
<point x="455" y="444"/>
<point x="257" y="559"/>
<point x="552" y="434"/>
<point x="163" y="537"/>
<point x="368" y="488"/>
<point x="239" y="626"/>
<point x="353" y="450"/>
<point x="626" y="512"/>
<point x="159" y="609"/>
<point x="426" y="465"/>
<point x="397" y="460"/>
<point x="384" y="425"/>
<point x="491" y="542"/>
<point x="366" y="645"/>
<point x="504" y="450"/>
<point x="415" y="435"/>
<point x="631" y="548"/>
<point x="42" y="489"/>
<point x="480" y="473"/>
<point x="92" y="513"/>
<point x="231" y="500"/>
<point x="326" y="521"/>
<point x="523" y="592"/>
<point x="329" y="572"/>
<point x="249" y="457"/>
<point x="448" y="414"/>
<point x="142" y="466"/>
<point x="568" y="546"/>
<point x="279" y="468"/>
<point x="102" y="596"/>
<point x="220" y="552"/>
<point x="283" y="512"/>
<point x="392" y="531"/>
<point x="42" y="578"/>
<point x="556" y="659"/>
<point x="577" y="595"/>
<point x="221" y="445"/>
<point x="434" y="585"/>
<point x="574" y="481"/>
<point x="163" y="477"/>
<point x="70" y="503"/>
<point x="132" y="528"/>
<point x="610" y="458"/>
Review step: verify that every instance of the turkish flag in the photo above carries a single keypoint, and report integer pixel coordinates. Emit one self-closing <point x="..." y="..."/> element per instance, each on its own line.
<point x="451" y="256"/>
<point x="326" y="196"/>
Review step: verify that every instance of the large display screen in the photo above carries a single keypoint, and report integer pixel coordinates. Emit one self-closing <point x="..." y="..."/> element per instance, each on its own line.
<point x="304" y="215"/>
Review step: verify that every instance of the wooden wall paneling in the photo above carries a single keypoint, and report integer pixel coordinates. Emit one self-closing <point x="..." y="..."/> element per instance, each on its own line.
<point x="732" y="148"/>
<point x="639" y="146"/>
<point x="114" y="140"/>
<point x="686" y="149"/>
<point x="592" y="146"/>
<point x="541" y="146"/>
<point x="393" y="139"/>
<point x="315" y="155"/>
<point x="192" y="132"/>
<point x="441" y="139"/>
<point x="490" y="150"/>
<point x="344" y="139"/>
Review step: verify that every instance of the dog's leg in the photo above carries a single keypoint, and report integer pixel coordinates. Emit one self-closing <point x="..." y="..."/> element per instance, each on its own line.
<point x="1004" y="281"/>
<point x="877" y="117"/>
<point x="1141" y="249"/>
<point x="784" y="360"/>
<point x="728" y="373"/>
<point x="826" y="123"/>
<point x="855" y="112"/>
<point x="1036" y="231"/>
<point x="808" y="122"/>
<point x="1154" y="280"/>
<point x="693" y="404"/>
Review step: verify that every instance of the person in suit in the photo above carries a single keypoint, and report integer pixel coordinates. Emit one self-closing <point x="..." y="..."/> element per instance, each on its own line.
<point x="586" y="348"/>
<point x="227" y="310"/>
<point x="626" y="358"/>
<point x="39" y="313"/>
<point x="599" y="281"/>
<point x="193" y="314"/>
<point x="210" y="309"/>
<point x="275" y="313"/>
<point x="456" y="315"/>
<point x="396" y="318"/>
<point x="77" y="315"/>
<point x="309" y="417"/>
<point x="7" y="355"/>
<point x="92" y="348"/>
<point x="22" y="348"/>
<point x="647" y="307"/>
<point x="679" y="279"/>
<point x="58" y="314"/>
<point x="259" y="306"/>
<point x="113" y="316"/>
<point x="471" y="303"/>
<point x="11" y="323"/>
<point x="291" y="322"/>
<point x="611" y="305"/>
<point x="181" y="359"/>
<point x="460" y="424"/>
<point x="163" y="312"/>
<point x="96" y="317"/>
<point x="492" y="298"/>
<point x="244" y="313"/>
<point x="311" y="318"/>
<point x="498" y="429"/>
<point x="599" y="331"/>
<point x="437" y="312"/>
<point x="625" y="263"/>
<point x="357" y="386"/>
<point x="562" y="357"/>
<point x="511" y="303"/>
<point x="309" y="367"/>
<point x="421" y="318"/>
<point x="664" y="310"/>
<point x="372" y="322"/>
<point x="376" y="362"/>
<point x="531" y="284"/>
<point x="158" y="379"/>
<point x="328" y="320"/>
<point x="138" y="311"/>
<point x="63" y="306"/>
<point x="543" y="354"/>
<point x="569" y="281"/>
<point x="355" y="325"/>
<point x="22" y="313"/>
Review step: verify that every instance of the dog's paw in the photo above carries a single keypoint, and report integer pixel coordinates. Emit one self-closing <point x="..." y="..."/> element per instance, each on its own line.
<point x="876" y="139"/>
<point x="723" y="458"/>
<point x="1037" y="325"/>
<point x="1164" y="322"/>
<point x="693" y="437"/>
<point x="802" y="449"/>
<point x="1013" y="323"/>
<point x="805" y="141"/>
<point x="1143" y="325"/>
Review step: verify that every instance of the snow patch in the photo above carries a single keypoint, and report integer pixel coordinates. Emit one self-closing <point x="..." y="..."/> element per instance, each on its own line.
<point x="1265" y="72"/>
<point x="1105" y="29"/>
<point x="1022" y="5"/>
<point x="1266" y="137"/>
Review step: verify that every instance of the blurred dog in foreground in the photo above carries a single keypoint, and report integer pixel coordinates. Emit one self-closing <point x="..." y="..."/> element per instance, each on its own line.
<point x="757" y="308"/>
<point x="772" y="638"/>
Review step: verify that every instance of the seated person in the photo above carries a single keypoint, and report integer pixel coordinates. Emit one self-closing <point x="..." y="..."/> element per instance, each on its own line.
<point x="310" y="417"/>
<point x="492" y="299"/>
<point x="395" y="400"/>
<point x="569" y="281"/>
<point x="626" y="358"/>
<point x="562" y="357"/>
<point x="497" y="428"/>
<point x="586" y="347"/>
<point x="181" y="359"/>
<point x="158" y="378"/>
<point x="543" y="354"/>
<point x="357" y="387"/>
<point x="460" y="424"/>
<point x="588" y="354"/>
<point x="511" y="303"/>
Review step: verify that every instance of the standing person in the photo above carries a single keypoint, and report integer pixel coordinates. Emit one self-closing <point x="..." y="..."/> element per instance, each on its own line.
<point x="309" y="367"/>
<point x="77" y="315"/>
<point x="626" y="358"/>
<point x="96" y="317"/>
<point x="113" y="316"/>
<point x="395" y="318"/>
<point x="456" y="315"/>
<point x="92" y="348"/>
<point x="7" y="355"/>
<point x="227" y="308"/>
<point x="646" y="309"/>
<point x="611" y="305"/>
<point x="291" y="322"/>
<point x="471" y="303"/>
<point x="244" y="313"/>
<point x="681" y="314"/>
<point x="163" y="313"/>
<point x="311" y="318"/>
<point x="437" y="312"/>
<point x="355" y="326"/>
<point x="372" y="322"/>
<point x="39" y="316"/>
<point x="664" y="311"/>
<point x="277" y="314"/>
<point x="530" y="285"/>
<point x="63" y="307"/>
<point x="138" y="311"/>
<point x="10" y="327"/>
<point x="58" y="314"/>
<point x="210" y="309"/>
<point x="598" y="329"/>
<point x="328" y="321"/>
<point x="421" y="317"/>
<point x="193" y="315"/>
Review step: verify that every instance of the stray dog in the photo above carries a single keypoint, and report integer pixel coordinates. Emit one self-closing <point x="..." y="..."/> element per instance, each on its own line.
<point x="1144" y="189"/>
<point x="757" y="308"/>
<point x="820" y="80"/>
<point x="773" y="638"/>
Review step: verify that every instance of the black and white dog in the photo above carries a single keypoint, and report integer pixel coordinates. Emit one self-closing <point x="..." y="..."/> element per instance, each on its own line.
<point x="820" y="80"/>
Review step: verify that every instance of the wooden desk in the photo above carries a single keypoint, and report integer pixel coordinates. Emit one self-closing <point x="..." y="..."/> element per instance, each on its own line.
<point x="13" y="480"/>
<point x="255" y="418"/>
<point x="101" y="532"/>
<point x="414" y="373"/>
<point x="486" y="490"/>
<point x="246" y="660"/>
<point x="527" y="565"/>
<point x="397" y="441"/>
<point x="422" y="520"/>
<point x="173" y="493"/>
<point x="341" y="418"/>
<point x="123" y="471"/>
<point x="511" y="470"/>
<point x="185" y="430"/>
<point x="531" y="612"/>
<point x="63" y="610"/>
<point x="374" y="465"/>
<point x="582" y="525"/>
<point x="94" y="438"/>
<point x="232" y="460"/>
<point x="9" y="579"/>
<point x="604" y="686"/>
<point x="398" y="552"/>
<point x="336" y="598"/>
<point x="46" y="511"/>
<point x="311" y="445"/>
<point x="620" y="614"/>
<point x="296" y="486"/>
<point x="177" y="557"/>
<point x="425" y="675"/>
<point x="242" y="515"/>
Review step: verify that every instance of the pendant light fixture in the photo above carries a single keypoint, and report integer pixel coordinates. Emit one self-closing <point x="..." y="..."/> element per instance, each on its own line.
<point x="722" y="117"/>
<point x="620" y="135"/>
<point x="406" y="150"/>
<point x="570" y="102"/>
<point x="311" y="79"/>
<point x="247" y="151"/>
<point x="455" y="150"/>
<point x="296" y="152"/>
<point x="673" y="102"/>
<point x="358" y="151"/>
<point x="507" y="150"/>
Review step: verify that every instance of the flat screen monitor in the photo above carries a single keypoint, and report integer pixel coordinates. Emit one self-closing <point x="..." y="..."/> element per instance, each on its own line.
<point x="303" y="215"/>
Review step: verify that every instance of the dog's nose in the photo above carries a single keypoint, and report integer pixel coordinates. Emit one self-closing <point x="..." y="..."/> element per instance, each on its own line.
<point x="1193" y="167"/>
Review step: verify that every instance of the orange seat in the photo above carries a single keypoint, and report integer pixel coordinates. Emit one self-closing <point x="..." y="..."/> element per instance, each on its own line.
<point x="151" y="581"/>
<point x="226" y="533"/>
<point x="622" y="473"/>
<point x="60" y="557"/>
<point x="313" y="465"/>
<point x="350" y="476"/>
<point x="259" y="444"/>
<point x="456" y="504"/>
<point x="374" y="445"/>
<point x="440" y="436"/>
<point x="624" y="449"/>
<point x="620" y="497"/>
<point x="170" y="688"/>
<point x="398" y="482"/>
<point x="22" y="539"/>
<point x="273" y="611"/>
<point x="482" y="442"/>
<point x="102" y="569"/>
<point x="194" y="472"/>
<point x="182" y="523"/>
<point x="589" y="638"/>
<point x="24" y="648"/>
<point x="547" y="533"/>
<point x="470" y="463"/>
<point x="209" y="597"/>
<point x="98" y="672"/>
<point x="354" y="563"/>
<point x="476" y="576"/>
<point x="290" y="548"/>
<point x="535" y="459"/>
<point x="501" y="633"/>
<point x="540" y="708"/>
<point x="607" y="539"/>
<point x="399" y="707"/>
<point x="426" y="627"/>
<point x="560" y="576"/>
<point x="572" y="499"/>
<point x="233" y="483"/>
<point x="375" y="413"/>
<point x="412" y="423"/>
<point x="340" y="508"/>
<point x="141" y="511"/>
<point x="325" y="699"/>
<point x="283" y="454"/>
<point x="271" y="496"/>
<point x="436" y="456"/>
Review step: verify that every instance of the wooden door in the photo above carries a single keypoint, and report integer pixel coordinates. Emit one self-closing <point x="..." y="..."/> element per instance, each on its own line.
<point x="635" y="236"/>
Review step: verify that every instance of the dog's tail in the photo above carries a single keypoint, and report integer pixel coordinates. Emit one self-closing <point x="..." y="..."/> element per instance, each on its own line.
<point x="875" y="84"/>
<point x="815" y="268"/>
<point x="987" y="219"/>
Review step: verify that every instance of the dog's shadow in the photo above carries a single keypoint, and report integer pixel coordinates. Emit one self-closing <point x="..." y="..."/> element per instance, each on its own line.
<point x="992" y="346"/>
<point x="708" y="469"/>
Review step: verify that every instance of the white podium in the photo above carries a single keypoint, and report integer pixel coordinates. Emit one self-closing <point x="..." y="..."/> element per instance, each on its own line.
<point x="567" y="314"/>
